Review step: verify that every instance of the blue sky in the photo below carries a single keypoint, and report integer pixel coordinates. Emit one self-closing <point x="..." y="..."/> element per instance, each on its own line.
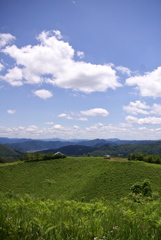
<point x="81" y="69"/>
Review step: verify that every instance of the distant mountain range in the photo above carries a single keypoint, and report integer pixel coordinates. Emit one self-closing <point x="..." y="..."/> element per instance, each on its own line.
<point x="73" y="147"/>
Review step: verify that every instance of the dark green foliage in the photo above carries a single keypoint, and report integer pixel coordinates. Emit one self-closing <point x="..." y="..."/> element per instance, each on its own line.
<point x="123" y="150"/>
<point x="30" y="157"/>
<point x="142" y="188"/>
<point x="2" y="160"/>
<point x="75" y="150"/>
<point x="144" y="157"/>
<point x="7" y="152"/>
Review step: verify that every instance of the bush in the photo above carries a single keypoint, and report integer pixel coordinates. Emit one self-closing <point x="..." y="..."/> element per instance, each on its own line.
<point x="142" y="188"/>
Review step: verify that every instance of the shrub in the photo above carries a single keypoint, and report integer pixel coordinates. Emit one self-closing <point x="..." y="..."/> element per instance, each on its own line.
<point x="142" y="188"/>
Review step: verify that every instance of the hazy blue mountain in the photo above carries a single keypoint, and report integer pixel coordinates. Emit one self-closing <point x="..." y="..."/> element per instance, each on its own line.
<point x="5" y="140"/>
<point x="76" y="150"/>
<point x="25" y="145"/>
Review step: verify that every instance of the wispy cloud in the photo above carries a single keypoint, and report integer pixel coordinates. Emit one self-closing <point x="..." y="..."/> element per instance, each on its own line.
<point x="83" y="119"/>
<point x="80" y="54"/>
<point x="49" y="123"/>
<point x="6" y="38"/>
<point x="11" y="111"/>
<point x="124" y="70"/>
<point x="1" y="67"/>
<point x="64" y="115"/>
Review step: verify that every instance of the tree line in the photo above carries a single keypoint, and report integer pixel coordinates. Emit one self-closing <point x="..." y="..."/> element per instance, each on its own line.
<point x="145" y="157"/>
<point x="30" y="157"/>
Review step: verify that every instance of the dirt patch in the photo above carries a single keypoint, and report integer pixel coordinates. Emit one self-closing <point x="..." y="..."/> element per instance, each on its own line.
<point x="119" y="159"/>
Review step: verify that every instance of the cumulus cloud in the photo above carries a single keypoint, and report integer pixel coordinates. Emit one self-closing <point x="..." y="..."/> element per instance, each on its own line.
<point x="44" y="94"/>
<point x="148" y="120"/>
<point x="149" y="84"/>
<point x="156" y="109"/>
<point x="139" y="107"/>
<point x="55" y="58"/>
<point x="11" y="111"/>
<point x="5" y="38"/>
<point x="14" y="76"/>
<point x="94" y="131"/>
<point x="136" y="107"/>
<point x="95" y="112"/>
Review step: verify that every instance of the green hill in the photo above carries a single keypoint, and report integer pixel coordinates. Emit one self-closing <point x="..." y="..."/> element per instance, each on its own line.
<point x="7" y="152"/>
<point x="124" y="149"/>
<point x="77" y="177"/>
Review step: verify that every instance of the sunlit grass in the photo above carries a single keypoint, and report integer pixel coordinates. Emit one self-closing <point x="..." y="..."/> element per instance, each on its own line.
<point x="74" y="178"/>
<point x="32" y="218"/>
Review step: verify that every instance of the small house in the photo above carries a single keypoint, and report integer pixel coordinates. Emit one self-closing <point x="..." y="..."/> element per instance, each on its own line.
<point x="107" y="156"/>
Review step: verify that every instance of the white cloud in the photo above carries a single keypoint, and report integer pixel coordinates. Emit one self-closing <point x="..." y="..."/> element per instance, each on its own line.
<point x="44" y="94"/>
<point x="139" y="107"/>
<point x="11" y="111"/>
<point x="148" y="120"/>
<point x="83" y="119"/>
<point x="49" y="123"/>
<point x="5" y="38"/>
<point x="65" y="116"/>
<point x="95" y="112"/>
<point x="55" y="57"/>
<point x="70" y="118"/>
<point x="149" y="84"/>
<point x="14" y="76"/>
<point x="62" y="115"/>
<point x="57" y="34"/>
<point x="92" y="132"/>
<point x="57" y="126"/>
<point x="80" y="54"/>
<point x="124" y="70"/>
<point x="32" y="129"/>
<point x="156" y="109"/>
<point x="1" y="67"/>
<point x="136" y="107"/>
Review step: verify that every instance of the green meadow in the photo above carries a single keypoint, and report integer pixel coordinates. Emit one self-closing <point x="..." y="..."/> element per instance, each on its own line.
<point x="77" y="177"/>
<point x="79" y="198"/>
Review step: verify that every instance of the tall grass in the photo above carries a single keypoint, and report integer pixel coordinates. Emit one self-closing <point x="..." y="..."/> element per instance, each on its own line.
<point x="31" y="218"/>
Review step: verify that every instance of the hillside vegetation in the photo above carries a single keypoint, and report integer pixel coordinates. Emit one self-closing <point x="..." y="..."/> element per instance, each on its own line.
<point x="7" y="152"/>
<point x="124" y="149"/>
<point x="80" y="198"/>
<point x="74" y="178"/>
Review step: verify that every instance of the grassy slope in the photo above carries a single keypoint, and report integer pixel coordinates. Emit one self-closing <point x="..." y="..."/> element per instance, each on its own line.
<point x="73" y="178"/>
